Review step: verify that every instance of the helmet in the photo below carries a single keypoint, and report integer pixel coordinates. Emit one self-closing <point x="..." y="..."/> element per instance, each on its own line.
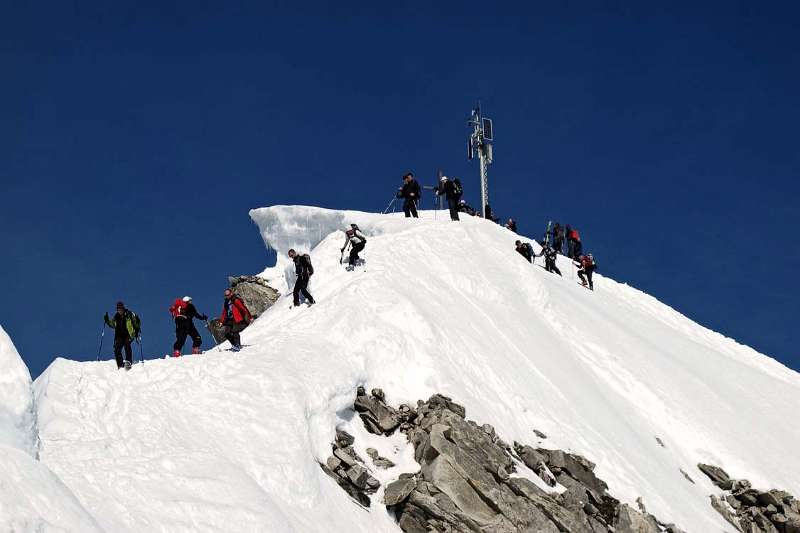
<point x="590" y="256"/>
<point x="120" y="305"/>
<point x="462" y="202"/>
<point x="443" y="178"/>
<point x="228" y="292"/>
<point x="187" y="299"/>
<point x="518" y="243"/>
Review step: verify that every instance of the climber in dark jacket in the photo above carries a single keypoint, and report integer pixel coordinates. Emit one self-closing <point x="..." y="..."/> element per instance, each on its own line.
<point x="451" y="189"/>
<point x="524" y="250"/>
<point x="304" y="270"/>
<point x="126" y="326"/>
<point x="410" y="192"/>
<point x="550" y="255"/>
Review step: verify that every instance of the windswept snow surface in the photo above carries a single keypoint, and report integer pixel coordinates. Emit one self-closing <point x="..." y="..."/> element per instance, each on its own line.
<point x="31" y="497"/>
<point x="229" y="442"/>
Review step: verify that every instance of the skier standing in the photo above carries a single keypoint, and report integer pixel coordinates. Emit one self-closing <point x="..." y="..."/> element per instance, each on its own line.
<point x="234" y="318"/>
<point x="410" y="192"/>
<point x="126" y="326"/>
<point x="357" y="241"/>
<point x="525" y="250"/>
<point x="304" y="270"/>
<point x="452" y="191"/>
<point x="550" y="255"/>
<point x="183" y="310"/>
<point x="587" y="268"/>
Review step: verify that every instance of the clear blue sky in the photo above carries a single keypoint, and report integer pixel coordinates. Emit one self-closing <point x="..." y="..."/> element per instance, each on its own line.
<point x="134" y="139"/>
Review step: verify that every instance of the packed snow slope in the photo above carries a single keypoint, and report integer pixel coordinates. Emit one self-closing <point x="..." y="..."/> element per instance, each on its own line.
<point x="31" y="497"/>
<point x="230" y="442"/>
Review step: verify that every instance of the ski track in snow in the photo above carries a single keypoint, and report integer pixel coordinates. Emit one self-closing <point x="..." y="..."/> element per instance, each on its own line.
<point x="229" y="442"/>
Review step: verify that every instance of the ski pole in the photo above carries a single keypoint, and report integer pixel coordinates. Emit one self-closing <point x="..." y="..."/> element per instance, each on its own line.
<point x="141" y="349"/>
<point x="102" y="334"/>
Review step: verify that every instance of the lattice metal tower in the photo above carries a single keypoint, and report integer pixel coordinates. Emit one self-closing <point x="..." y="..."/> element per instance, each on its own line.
<point x="481" y="141"/>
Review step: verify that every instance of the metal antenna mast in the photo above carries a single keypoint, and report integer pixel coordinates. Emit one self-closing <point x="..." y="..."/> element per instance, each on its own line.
<point x="481" y="141"/>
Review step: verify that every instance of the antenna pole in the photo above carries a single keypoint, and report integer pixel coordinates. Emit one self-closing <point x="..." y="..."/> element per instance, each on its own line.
<point x="480" y="141"/>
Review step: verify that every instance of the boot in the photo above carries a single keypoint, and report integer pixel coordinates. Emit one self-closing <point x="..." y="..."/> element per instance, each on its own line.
<point x="127" y="365"/>
<point x="176" y="353"/>
<point x="196" y="350"/>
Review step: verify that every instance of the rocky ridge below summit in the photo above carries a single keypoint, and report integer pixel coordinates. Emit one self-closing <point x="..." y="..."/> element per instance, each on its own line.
<point x="466" y="480"/>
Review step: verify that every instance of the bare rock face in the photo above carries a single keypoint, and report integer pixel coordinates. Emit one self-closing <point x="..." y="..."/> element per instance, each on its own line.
<point x="257" y="295"/>
<point x="348" y="469"/>
<point x="751" y="510"/>
<point x="465" y="483"/>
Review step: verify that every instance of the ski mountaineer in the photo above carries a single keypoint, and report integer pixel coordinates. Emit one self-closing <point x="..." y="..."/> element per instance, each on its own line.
<point x="452" y="191"/>
<point x="234" y="318"/>
<point x="183" y="311"/>
<point x="550" y="255"/>
<point x="304" y="270"/>
<point x="126" y="326"/>
<point x="410" y="192"/>
<point x="587" y="267"/>
<point x="558" y="237"/>
<point x="357" y="241"/>
<point x="489" y="215"/>
<point x="525" y="250"/>
<point x="511" y="225"/>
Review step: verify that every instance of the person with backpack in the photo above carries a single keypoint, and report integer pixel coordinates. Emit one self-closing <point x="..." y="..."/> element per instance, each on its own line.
<point x="490" y="215"/>
<point x="575" y="240"/>
<point x="304" y="270"/>
<point x="525" y="250"/>
<point x="183" y="311"/>
<point x="550" y="255"/>
<point x="463" y="207"/>
<point x="410" y="192"/>
<point x="558" y="238"/>
<point x="126" y="326"/>
<point x="234" y="318"/>
<point x="511" y="225"/>
<point x="452" y="191"/>
<point x="587" y="267"/>
<point x="357" y="241"/>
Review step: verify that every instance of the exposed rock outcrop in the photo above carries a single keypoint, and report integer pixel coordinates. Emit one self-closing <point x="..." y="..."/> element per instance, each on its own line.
<point x="349" y="470"/>
<point x="750" y="510"/>
<point x="258" y="296"/>
<point x="465" y="483"/>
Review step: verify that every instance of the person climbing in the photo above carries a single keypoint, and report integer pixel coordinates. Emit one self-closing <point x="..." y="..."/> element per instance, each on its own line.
<point x="575" y="241"/>
<point x="126" y="326"/>
<point x="587" y="267"/>
<point x="357" y="241"/>
<point x="550" y="255"/>
<point x="525" y="250"/>
<point x="452" y="191"/>
<point x="558" y="238"/>
<point x="183" y="311"/>
<point x="511" y="225"/>
<point x="464" y="207"/>
<point x="304" y="270"/>
<point x="234" y="318"/>
<point x="411" y="193"/>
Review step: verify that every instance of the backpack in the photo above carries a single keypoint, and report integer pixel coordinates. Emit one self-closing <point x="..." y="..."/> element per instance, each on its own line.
<point x="457" y="189"/>
<point x="307" y="261"/>
<point x="177" y="308"/>
<point x="356" y="231"/>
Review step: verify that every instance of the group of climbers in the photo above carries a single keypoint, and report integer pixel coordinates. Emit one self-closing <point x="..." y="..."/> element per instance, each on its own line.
<point x="127" y="326"/>
<point x="556" y="237"/>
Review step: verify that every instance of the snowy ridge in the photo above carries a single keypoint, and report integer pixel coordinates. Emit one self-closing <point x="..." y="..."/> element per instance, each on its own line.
<point x="225" y="442"/>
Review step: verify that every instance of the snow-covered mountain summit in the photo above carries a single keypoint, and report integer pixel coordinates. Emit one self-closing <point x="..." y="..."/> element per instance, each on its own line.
<point x="231" y="442"/>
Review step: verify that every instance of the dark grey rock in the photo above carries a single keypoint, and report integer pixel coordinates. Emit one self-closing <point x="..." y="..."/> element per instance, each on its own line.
<point x="344" y="439"/>
<point x="378" y="418"/>
<point x="717" y="476"/>
<point x="398" y="491"/>
<point x="539" y="434"/>
<point x="768" y="498"/>
<point x="630" y="520"/>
